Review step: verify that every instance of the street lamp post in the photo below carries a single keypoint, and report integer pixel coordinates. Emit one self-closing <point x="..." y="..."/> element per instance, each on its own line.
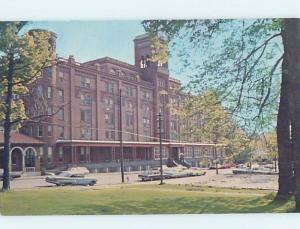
<point x="160" y="147"/>
<point x="121" y="135"/>
<point x="216" y="157"/>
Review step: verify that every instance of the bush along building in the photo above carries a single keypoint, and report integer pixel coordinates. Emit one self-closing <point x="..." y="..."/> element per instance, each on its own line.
<point x="83" y="104"/>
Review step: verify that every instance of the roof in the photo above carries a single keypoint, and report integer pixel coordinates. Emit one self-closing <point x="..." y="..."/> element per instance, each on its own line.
<point x="112" y="61"/>
<point x="18" y="138"/>
<point x="142" y="36"/>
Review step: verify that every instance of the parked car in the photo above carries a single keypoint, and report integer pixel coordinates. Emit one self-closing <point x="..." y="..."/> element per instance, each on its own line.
<point x="67" y="178"/>
<point x="170" y="173"/>
<point x="254" y="171"/>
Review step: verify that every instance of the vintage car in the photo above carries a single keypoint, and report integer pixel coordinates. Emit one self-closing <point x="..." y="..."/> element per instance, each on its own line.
<point x="150" y="176"/>
<point x="170" y="173"/>
<point x="263" y="171"/>
<point x="67" y="178"/>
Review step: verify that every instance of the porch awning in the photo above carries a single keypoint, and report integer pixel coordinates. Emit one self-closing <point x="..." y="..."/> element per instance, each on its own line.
<point x="130" y="143"/>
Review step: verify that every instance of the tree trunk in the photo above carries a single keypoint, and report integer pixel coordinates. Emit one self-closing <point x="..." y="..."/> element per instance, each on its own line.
<point x="285" y="157"/>
<point x="7" y="128"/>
<point x="291" y="42"/>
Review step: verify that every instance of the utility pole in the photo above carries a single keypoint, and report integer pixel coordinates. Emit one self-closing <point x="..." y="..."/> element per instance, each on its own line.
<point x="216" y="158"/>
<point x="160" y="147"/>
<point x="121" y="134"/>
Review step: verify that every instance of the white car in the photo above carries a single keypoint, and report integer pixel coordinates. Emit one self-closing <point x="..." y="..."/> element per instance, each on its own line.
<point x="67" y="178"/>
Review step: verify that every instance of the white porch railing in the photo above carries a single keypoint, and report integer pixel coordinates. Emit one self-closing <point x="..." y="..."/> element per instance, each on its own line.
<point x="29" y="169"/>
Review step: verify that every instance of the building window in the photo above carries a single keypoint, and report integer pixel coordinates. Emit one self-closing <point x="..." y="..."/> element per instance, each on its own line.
<point x="129" y="106"/>
<point x="49" y="92"/>
<point x="49" y="131"/>
<point x="146" y="122"/>
<point x="61" y="76"/>
<point x="39" y="91"/>
<point x="85" y="99"/>
<point x="165" y="153"/>
<point x="61" y="114"/>
<point x="146" y="108"/>
<point x="129" y="91"/>
<point x="61" y="132"/>
<point x="48" y="73"/>
<point x="174" y="135"/>
<point x="129" y="119"/>
<point x="161" y="110"/>
<point x="146" y="95"/>
<point x="85" y="115"/>
<point x="110" y="134"/>
<point x="85" y="82"/>
<point x="60" y="95"/>
<point x="60" y="154"/>
<point x="161" y="83"/>
<point x="147" y="135"/>
<point x="40" y="131"/>
<point x="109" y="118"/>
<point x="50" y="156"/>
<point x="163" y="99"/>
<point x="197" y="152"/>
<point x="109" y="87"/>
<point x="109" y="102"/>
<point x="173" y="125"/>
<point x="49" y="110"/>
<point x="188" y="152"/>
<point x="85" y="133"/>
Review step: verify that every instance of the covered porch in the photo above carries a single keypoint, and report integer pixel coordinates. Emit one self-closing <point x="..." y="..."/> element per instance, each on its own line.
<point x="24" y="153"/>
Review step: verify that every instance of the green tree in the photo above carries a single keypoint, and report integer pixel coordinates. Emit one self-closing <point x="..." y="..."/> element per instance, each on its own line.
<point x="206" y="120"/>
<point x="22" y="57"/>
<point x="242" y="62"/>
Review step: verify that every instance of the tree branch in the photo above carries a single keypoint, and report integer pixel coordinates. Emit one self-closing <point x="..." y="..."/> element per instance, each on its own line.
<point x="38" y="117"/>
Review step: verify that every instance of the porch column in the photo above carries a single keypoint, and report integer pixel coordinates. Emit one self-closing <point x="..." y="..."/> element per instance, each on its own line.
<point x="37" y="163"/>
<point x="152" y="152"/>
<point x="87" y="154"/>
<point x="134" y="153"/>
<point x="75" y="154"/>
<point x="23" y="161"/>
<point x="113" y="149"/>
<point x="72" y="156"/>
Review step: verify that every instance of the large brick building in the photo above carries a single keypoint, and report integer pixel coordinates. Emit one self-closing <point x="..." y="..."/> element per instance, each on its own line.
<point x="84" y="100"/>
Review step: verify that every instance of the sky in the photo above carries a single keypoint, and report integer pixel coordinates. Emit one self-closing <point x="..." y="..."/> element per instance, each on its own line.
<point x="88" y="40"/>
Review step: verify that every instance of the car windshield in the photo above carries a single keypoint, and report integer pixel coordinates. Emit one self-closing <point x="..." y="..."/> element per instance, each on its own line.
<point x="64" y="174"/>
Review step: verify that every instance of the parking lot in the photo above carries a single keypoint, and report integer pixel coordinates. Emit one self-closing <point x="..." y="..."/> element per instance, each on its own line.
<point x="225" y="178"/>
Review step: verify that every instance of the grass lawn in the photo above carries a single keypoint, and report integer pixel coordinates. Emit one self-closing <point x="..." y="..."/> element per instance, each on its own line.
<point x="140" y="199"/>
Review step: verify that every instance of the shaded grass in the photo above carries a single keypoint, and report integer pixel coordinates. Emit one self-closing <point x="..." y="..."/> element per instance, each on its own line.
<point x="141" y="199"/>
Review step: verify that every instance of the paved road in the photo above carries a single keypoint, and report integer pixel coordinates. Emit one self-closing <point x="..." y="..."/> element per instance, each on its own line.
<point x="224" y="179"/>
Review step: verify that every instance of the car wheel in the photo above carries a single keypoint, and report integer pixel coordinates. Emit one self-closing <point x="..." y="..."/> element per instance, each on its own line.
<point x="92" y="183"/>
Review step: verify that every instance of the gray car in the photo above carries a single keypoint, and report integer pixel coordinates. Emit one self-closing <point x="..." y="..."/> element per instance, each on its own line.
<point x="67" y="178"/>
